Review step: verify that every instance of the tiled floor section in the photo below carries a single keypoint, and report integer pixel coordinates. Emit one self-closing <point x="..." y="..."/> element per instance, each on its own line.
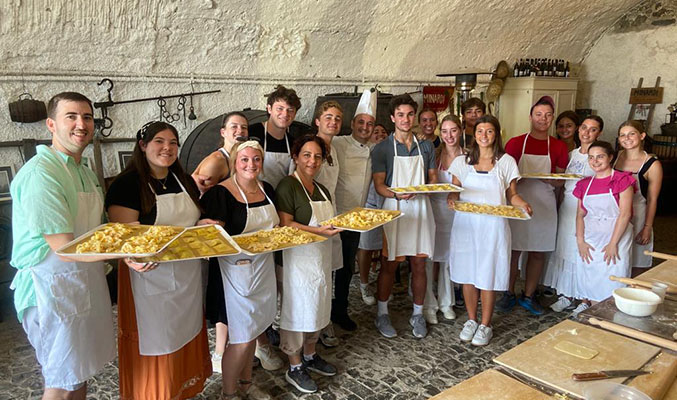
<point x="370" y="366"/>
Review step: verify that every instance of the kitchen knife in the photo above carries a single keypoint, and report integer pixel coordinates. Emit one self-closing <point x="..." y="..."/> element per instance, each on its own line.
<point x="592" y="376"/>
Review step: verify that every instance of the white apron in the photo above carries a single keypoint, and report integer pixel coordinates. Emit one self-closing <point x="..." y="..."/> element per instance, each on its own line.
<point x="592" y="280"/>
<point x="277" y="165"/>
<point x="168" y="299"/>
<point x="639" y="259"/>
<point x="414" y="232"/>
<point x="249" y="284"/>
<point x="306" y="298"/>
<point x="479" y="251"/>
<point x="561" y="266"/>
<point x="328" y="176"/>
<point x="538" y="233"/>
<point x="74" y="311"/>
<point x="444" y="218"/>
<point x="373" y="239"/>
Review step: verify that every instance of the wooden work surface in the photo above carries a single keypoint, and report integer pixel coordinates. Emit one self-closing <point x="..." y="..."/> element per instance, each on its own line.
<point x="491" y="385"/>
<point x="539" y="360"/>
<point x="664" y="272"/>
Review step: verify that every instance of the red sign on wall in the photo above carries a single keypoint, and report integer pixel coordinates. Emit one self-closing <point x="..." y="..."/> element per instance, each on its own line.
<point x="437" y="97"/>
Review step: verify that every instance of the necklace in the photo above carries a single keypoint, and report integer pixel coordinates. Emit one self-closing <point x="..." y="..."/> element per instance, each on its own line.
<point x="163" y="183"/>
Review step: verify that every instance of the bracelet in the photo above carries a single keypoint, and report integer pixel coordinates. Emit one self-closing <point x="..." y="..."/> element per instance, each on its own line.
<point x="395" y="196"/>
<point x="648" y="226"/>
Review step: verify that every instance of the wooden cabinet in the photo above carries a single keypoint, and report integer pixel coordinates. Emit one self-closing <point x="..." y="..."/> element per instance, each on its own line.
<point x="519" y="94"/>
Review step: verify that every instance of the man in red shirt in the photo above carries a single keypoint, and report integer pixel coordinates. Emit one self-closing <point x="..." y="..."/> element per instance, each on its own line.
<point x="535" y="152"/>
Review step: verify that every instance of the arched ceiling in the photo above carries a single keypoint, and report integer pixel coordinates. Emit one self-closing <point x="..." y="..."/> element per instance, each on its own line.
<point x="312" y="39"/>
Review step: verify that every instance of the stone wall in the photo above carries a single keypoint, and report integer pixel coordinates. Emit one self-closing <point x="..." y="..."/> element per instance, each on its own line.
<point x="643" y="43"/>
<point x="245" y="48"/>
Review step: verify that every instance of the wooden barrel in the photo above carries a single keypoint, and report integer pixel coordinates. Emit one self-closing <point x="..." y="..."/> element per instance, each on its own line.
<point x="665" y="147"/>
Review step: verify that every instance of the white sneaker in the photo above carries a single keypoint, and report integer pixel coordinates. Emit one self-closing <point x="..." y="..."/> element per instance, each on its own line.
<point x="482" y="336"/>
<point x="216" y="362"/>
<point x="327" y="336"/>
<point x="430" y="316"/>
<point x="448" y="314"/>
<point x="367" y="297"/>
<point x="582" y="306"/>
<point x="561" y="304"/>
<point x="468" y="331"/>
<point x="269" y="360"/>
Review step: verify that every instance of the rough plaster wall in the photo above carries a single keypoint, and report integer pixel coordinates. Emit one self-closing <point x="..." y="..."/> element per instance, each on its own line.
<point x="154" y="47"/>
<point x="641" y="44"/>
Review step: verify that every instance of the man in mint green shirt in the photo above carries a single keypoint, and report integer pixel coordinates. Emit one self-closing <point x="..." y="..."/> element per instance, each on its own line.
<point x="63" y="305"/>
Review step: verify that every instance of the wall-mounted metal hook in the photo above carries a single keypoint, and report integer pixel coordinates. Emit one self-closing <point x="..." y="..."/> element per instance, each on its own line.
<point x="109" y="89"/>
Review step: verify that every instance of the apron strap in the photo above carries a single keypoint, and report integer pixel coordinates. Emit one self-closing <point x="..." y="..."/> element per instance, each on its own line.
<point x="183" y="189"/>
<point x="418" y="147"/>
<point x="306" y="192"/>
<point x="245" y="197"/>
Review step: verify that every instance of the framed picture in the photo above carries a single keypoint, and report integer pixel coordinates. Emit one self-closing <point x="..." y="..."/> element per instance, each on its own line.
<point x="123" y="159"/>
<point x="6" y="176"/>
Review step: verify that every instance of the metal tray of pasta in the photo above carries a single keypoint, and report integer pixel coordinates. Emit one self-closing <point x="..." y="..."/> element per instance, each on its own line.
<point x="266" y="241"/>
<point x="361" y="219"/>
<point x="427" y="188"/>
<point x="503" y="211"/>
<point x="117" y="240"/>
<point x="197" y="242"/>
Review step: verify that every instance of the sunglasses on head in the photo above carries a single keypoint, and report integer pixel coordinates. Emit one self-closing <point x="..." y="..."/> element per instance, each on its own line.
<point x="247" y="138"/>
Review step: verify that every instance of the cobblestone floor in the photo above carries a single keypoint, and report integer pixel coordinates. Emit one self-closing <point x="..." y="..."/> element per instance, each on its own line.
<point x="370" y="366"/>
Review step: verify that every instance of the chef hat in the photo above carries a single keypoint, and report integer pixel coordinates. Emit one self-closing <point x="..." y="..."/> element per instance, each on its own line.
<point x="367" y="104"/>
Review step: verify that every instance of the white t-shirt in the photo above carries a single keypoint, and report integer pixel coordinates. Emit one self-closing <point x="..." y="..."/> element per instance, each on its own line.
<point x="505" y="168"/>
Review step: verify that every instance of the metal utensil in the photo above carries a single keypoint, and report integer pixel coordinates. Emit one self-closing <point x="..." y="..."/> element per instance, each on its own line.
<point x="619" y="373"/>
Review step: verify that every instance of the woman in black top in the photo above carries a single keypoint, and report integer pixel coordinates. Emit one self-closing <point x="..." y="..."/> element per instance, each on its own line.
<point x="243" y="204"/>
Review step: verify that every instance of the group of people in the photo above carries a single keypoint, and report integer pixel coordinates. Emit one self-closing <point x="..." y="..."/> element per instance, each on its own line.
<point x="265" y="175"/>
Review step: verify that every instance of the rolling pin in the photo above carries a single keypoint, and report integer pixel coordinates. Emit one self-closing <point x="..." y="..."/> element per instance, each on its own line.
<point x="629" y="281"/>
<point x="643" y="336"/>
<point x="660" y="255"/>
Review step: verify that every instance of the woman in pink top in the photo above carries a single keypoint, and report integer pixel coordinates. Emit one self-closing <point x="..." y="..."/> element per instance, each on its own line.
<point x="603" y="228"/>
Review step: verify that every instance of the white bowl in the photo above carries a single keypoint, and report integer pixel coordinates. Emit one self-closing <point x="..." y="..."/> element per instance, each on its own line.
<point x="636" y="302"/>
<point x="613" y="391"/>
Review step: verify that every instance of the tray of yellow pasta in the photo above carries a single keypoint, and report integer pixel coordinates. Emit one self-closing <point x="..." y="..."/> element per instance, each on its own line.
<point x="197" y="242"/>
<point x="361" y="219"/>
<point x="574" y="177"/>
<point x="503" y="211"/>
<point x="427" y="188"/>
<point x="116" y="240"/>
<point x="270" y="240"/>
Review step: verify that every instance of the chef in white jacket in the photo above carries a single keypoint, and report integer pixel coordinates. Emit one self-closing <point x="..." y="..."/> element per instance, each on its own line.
<point x="64" y="306"/>
<point x="353" y="153"/>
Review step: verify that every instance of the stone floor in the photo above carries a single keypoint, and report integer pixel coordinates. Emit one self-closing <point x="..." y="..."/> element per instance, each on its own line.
<point x="370" y="366"/>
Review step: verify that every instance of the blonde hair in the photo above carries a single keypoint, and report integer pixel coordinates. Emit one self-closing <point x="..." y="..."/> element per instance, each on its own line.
<point x="239" y="146"/>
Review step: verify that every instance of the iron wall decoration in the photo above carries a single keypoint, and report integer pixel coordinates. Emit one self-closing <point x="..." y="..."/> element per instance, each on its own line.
<point x="105" y="124"/>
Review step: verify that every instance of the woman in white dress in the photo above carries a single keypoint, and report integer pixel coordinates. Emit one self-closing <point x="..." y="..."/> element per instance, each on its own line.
<point x="562" y="262"/>
<point x="436" y="267"/>
<point x="479" y="250"/>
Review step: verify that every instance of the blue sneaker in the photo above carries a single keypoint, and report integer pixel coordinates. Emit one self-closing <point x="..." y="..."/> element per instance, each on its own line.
<point x="506" y="302"/>
<point x="531" y="304"/>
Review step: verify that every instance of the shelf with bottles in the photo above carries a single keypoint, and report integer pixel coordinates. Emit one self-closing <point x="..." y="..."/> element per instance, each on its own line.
<point x="547" y="67"/>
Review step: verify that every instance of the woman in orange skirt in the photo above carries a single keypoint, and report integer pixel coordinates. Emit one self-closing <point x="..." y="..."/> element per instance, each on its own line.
<point x="162" y="337"/>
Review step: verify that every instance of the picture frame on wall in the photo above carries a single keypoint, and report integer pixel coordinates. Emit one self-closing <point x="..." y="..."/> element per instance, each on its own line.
<point x="124" y="157"/>
<point x="6" y="176"/>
